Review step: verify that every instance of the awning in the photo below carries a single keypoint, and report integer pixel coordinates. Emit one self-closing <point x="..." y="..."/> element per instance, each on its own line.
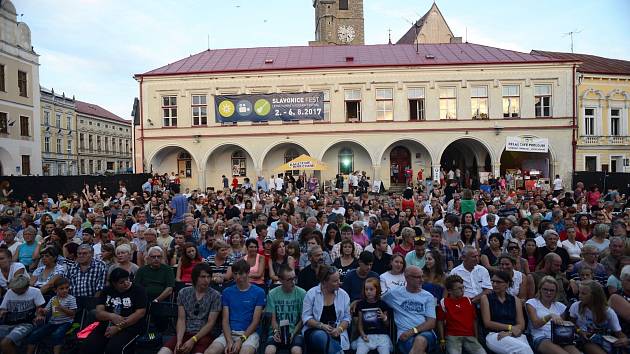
<point x="303" y="163"/>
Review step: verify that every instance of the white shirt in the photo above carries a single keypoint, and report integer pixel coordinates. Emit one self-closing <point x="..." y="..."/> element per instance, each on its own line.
<point x="279" y="183"/>
<point x="517" y="280"/>
<point x="556" y="308"/>
<point x="389" y="281"/>
<point x="370" y="248"/>
<point x="557" y="184"/>
<point x="341" y="211"/>
<point x="272" y="184"/>
<point x="574" y="250"/>
<point x="474" y="282"/>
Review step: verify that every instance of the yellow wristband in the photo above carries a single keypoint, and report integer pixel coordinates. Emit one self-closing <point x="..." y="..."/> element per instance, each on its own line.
<point x="442" y="341"/>
<point x="194" y="338"/>
<point x="243" y="338"/>
<point x="415" y="330"/>
<point x="509" y="328"/>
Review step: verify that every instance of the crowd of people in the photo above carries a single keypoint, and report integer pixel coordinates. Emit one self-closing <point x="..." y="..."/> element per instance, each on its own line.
<point x="432" y="268"/>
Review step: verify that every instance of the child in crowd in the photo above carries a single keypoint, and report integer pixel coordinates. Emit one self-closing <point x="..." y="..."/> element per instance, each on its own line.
<point x="61" y="308"/>
<point x="373" y="320"/>
<point x="457" y="320"/>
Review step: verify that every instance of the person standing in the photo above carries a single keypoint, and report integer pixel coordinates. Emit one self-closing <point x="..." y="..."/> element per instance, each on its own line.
<point x="179" y="206"/>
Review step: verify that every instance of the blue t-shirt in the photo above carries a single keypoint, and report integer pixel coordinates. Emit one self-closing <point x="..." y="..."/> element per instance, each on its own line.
<point x="242" y="305"/>
<point x="353" y="284"/>
<point x="410" y="309"/>
<point x="205" y="252"/>
<point x="180" y="204"/>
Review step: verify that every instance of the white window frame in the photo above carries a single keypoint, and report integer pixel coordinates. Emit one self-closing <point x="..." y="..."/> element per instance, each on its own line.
<point x="58" y="146"/>
<point x="199" y="110"/>
<point x="326" y="105"/>
<point x="354" y="96"/>
<point x="57" y="120"/>
<point x="542" y="96"/>
<point x="384" y="98"/>
<point x="476" y="100"/>
<point x="69" y="146"/>
<point x="169" y="110"/>
<point x="510" y="96"/>
<point x="610" y="160"/>
<point x="448" y="102"/>
<point x="597" y="165"/>
<point x="46" y="118"/>
<point x="46" y="143"/>
<point x="585" y="131"/>
<point x="620" y="131"/>
<point x="69" y="122"/>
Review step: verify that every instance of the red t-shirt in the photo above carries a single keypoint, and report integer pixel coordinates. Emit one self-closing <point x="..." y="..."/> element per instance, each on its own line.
<point x="459" y="316"/>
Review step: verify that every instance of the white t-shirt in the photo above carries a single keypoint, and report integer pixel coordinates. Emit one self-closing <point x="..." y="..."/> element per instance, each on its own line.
<point x="279" y="183"/>
<point x="17" y="306"/>
<point x="389" y="281"/>
<point x="574" y="250"/>
<point x="585" y="321"/>
<point x="475" y="281"/>
<point x="557" y="184"/>
<point x="517" y="280"/>
<point x="556" y="308"/>
<point x="15" y="266"/>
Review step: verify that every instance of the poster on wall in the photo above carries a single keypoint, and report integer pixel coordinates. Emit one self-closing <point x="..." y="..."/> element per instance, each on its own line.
<point x="526" y="144"/>
<point x="266" y="107"/>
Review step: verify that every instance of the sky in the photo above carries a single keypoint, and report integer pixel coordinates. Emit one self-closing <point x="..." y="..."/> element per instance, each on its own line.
<point x="92" y="48"/>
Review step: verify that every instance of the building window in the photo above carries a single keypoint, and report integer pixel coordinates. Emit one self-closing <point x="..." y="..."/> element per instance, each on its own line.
<point x="69" y="122"/>
<point x="2" y="85"/>
<point x="82" y="166"/>
<point x="199" y="110"/>
<point x="22" y="86"/>
<point x="90" y="143"/>
<point x="589" y="121"/>
<point x="542" y="100"/>
<point x="479" y="102"/>
<point x="343" y="4"/>
<point x="239" y="165"/>
<point x="126" y="146"/>
<point x="346" y="161"/>
<point x="184" y="165"/>
<point x="416" y="103"/>
<point x="99" y="165"/>
<point x="110" y="165"/>
<point x="4" y="124"/>
<point x="26" y="165"/>
<point x="169" y="111"/>
<point x="120" y="150"/>
<point x="113" y="145"/>
<point x="353" y="105"/>
<point x="384" y="104"/>
<point x="24" y="126"/>
<point x="81" y="141"/>
<point x="58" y="120"/>
<point x="590" y="163"/>
<point x="69" y="147"/>
<point x="511" y="101"/>
<point x="98" y="143"/>
<point x="106" y="144"/>
<point x="615" y="121"/>
<point x="46" y="118"/>
<point x="91" y="166"/>
<point x="46" y="144"/>
<point x="326" y="105"/>
<point x="448" y="103"/>
<point x="58" y="146"/>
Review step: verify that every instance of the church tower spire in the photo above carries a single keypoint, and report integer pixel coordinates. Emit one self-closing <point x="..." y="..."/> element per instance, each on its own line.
<point x="338" y="22"/>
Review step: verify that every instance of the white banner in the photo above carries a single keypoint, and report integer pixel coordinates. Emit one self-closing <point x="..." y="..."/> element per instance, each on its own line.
<point x="517" y="143"/>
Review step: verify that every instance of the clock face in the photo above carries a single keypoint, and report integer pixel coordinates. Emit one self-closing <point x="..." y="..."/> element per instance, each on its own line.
<point x="346" y="34"/>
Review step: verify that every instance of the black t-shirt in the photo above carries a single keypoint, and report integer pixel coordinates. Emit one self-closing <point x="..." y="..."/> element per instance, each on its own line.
<point x="381" y="265"/>
<point x="125" y="303"/>
<point x="233" y="212"/>
<point x="371" y="323"/>
<point x="343" y="271"/>
<point x="307" y="278"/>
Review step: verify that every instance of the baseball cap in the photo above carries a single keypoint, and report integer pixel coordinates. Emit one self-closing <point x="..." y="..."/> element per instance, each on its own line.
<point x="19" y="282"/>
<point x="70" y="227"/>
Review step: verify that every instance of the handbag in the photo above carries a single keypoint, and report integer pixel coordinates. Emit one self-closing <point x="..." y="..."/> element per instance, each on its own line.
<point x="563" y="334"/>
<point x="85" y="332"/>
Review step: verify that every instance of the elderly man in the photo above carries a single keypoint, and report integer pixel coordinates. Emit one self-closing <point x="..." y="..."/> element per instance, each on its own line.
<point x="414" y="310"/>
<point x="87" y="276"/>
<point x="552" y="265"/>
<point x="156" y="277"/>
<point x="307" y="278"/>
<point x="476" y="277"/>
<point x="613" y="255"/>
<point x="551" y="245"/>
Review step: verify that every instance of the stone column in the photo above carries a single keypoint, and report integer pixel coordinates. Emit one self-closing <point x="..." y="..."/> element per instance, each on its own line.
<point x="201" y="180"/>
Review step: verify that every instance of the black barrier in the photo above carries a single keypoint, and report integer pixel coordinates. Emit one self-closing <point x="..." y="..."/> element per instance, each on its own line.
<point x="36" y="185"/>
<point x="603" y="180"/>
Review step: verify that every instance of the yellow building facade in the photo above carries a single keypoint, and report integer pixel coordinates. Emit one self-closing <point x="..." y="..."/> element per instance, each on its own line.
<point x="429" y="111"/>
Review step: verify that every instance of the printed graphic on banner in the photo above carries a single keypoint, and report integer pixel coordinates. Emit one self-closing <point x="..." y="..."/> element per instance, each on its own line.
<point x="526" y="144"/>
<point x="266" y="107"/>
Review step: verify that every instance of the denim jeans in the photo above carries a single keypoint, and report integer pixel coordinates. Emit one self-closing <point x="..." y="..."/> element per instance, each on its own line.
<point x="56" y="333"/>
<point x="317" y="340"/>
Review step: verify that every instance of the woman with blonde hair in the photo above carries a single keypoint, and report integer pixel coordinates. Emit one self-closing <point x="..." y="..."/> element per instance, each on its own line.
<point x="123" y="260"/>
<point x="543" y="310"/>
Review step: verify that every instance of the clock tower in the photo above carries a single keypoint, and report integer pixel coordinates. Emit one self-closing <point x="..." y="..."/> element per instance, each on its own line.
<point x="338" y="22"/>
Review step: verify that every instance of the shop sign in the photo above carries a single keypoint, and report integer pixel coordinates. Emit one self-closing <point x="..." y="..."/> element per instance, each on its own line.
<point x="526" y="144"/>
<point x="266" y="107"/>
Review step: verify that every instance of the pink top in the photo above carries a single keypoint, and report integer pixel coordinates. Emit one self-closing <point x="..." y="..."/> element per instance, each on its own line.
<point x="361" y="239"/>
<point x="254" y="269"/>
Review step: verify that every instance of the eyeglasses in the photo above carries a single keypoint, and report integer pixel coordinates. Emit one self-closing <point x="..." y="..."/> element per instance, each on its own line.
<point x="156" y="256"/>
<point x="512" y="248"/>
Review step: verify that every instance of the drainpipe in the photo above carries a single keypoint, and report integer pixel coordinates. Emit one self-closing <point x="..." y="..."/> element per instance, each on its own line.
<point x="574" y="128"/>
<point x="141" y="126"/>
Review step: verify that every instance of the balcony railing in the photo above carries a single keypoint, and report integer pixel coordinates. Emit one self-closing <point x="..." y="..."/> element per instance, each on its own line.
<point x="604" y="140"/>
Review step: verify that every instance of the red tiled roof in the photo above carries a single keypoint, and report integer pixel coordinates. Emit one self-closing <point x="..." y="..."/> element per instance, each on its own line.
<point x="591" y="64"/>
<point x="96" y="110"/>
<point x="324" y="57"/>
